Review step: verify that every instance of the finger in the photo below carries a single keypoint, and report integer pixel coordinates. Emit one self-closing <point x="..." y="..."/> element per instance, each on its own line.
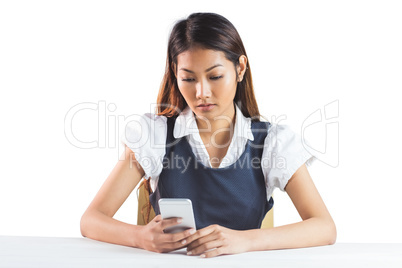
<point x="175" y="241"/>
<point x="177" y="245"/>
<point x="201" y="233"/>
<point x="205" y="247"/>
<point x="214" y="253"/>
<point x="182" y="236"/>
<point x="165" y="223"/>
<point x="157" y="218"/>
<point x="178" y="238"/>
<point x="201" y="241"/>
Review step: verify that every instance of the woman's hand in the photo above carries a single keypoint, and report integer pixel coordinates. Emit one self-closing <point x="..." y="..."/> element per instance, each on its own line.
<point x="154" y="239"/>
<point x="222" y="240"/>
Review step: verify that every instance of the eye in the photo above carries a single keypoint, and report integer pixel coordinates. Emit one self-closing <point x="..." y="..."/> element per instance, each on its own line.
<point x="191" y="79"/>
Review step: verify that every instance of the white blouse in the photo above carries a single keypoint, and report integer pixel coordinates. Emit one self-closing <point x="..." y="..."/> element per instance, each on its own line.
<point x="282" y="155"/>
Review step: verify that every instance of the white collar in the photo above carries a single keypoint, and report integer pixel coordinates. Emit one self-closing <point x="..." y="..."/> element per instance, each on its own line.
<point x="185" y="125"/>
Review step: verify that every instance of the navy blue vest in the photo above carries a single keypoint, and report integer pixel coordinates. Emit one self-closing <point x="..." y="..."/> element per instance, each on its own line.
<point x="234" y="196"/>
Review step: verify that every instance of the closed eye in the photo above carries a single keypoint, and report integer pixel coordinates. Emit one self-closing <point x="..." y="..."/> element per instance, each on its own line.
<point x="191" y="79"/>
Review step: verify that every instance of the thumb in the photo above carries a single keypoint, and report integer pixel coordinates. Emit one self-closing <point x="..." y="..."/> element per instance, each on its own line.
<point x="157" y="218"/>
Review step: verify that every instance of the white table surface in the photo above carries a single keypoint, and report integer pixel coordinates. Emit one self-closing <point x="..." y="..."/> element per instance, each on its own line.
<point x="20" y="251"/>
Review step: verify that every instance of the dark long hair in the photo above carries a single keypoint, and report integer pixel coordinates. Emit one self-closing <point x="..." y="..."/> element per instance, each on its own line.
<point x="208" y="31"/>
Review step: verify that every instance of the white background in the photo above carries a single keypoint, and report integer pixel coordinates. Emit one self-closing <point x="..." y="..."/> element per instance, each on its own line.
<point x="303" y="56"/>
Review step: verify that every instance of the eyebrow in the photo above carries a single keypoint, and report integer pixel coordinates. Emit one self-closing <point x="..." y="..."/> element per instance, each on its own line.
<point x="207" y="70"/>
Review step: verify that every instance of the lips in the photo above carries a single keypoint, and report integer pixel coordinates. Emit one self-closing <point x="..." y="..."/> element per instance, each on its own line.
<point x="205" y="105"/>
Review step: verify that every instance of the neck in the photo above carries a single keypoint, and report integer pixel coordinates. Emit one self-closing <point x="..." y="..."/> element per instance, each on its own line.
<point x="220" y="130"/>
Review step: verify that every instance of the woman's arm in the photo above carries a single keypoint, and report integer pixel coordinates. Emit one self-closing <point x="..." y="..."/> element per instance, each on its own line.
<point x="316" y="229"/>
<point x="97" y="222"/>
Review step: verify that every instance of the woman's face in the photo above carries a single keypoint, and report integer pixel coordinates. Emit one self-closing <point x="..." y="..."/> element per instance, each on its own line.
<point x="205" y="76"/>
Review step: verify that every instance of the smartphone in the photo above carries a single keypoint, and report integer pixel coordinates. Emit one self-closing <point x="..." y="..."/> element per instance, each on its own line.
<point x="177" y="207"/>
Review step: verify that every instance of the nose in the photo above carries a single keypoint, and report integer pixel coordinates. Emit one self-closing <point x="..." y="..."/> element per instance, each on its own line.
<point x="203" y="90"/>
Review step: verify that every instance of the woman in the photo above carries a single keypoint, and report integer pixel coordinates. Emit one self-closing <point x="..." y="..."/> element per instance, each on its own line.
<point x="208" y="119"/>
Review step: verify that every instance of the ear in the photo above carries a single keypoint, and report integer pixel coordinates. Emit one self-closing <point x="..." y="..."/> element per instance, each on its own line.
<point x="241" y="68"/>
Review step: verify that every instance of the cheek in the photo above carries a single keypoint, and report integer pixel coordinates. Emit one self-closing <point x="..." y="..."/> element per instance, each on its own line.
<point x="227" y="87"/>
<point x="186" y="92"/>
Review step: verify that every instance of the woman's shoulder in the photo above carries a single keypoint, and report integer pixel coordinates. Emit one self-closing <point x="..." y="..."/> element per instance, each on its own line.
<point x="152" y="117"/>
<point x="146" y="122"/>
<point x="147" y="129"/>
<point x="282" y="136"/>
<point x="145" y="134"/>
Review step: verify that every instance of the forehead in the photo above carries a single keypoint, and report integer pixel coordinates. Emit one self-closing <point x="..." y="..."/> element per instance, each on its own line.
<point x="200" y="59"/>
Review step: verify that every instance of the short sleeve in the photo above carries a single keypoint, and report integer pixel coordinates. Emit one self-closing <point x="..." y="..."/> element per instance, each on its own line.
<point x="284" y="152"/>
<point x="145" y="135"/>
